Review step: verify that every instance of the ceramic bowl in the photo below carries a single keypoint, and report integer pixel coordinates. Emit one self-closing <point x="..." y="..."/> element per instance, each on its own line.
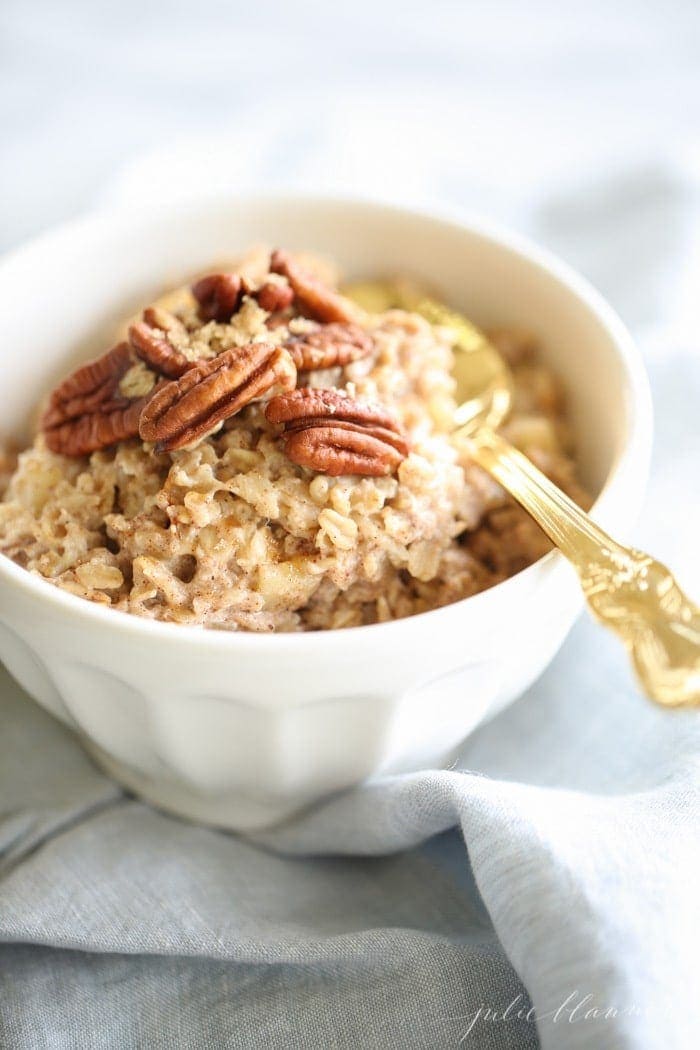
<point x="242" y="730"/>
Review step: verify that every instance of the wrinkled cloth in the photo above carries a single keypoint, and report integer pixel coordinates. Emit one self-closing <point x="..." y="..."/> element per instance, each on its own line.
<point x="543" y="891"/>
<point x="128" y="927"/>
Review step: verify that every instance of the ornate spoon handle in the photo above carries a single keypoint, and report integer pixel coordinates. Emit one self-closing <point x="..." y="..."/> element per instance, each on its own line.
<point x="626" y="590"/>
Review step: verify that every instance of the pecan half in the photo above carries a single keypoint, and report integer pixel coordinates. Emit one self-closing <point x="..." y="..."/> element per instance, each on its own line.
<point x="191" y="407"/>
<point x="329" y="346"/>
<point x="153" y="347"/>
<point x="86" y="412"/>
<point x="331" y="433"/>
<point x="314" y="298"/>
<point x="114" y="422"/>
<point x="219" y="296"/>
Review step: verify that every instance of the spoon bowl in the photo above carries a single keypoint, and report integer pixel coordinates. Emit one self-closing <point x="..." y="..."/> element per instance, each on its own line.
<point x="484" y="381"/>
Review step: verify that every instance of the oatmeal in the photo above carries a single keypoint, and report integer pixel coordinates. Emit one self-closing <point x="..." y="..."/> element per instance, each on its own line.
<point x="258" y="453"/>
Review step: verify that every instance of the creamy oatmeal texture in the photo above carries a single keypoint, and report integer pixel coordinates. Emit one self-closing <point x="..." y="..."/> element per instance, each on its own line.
<point x="228" y="532"/>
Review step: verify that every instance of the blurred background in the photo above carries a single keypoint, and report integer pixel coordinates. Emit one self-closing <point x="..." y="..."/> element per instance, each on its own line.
<point x="578" y="124"/>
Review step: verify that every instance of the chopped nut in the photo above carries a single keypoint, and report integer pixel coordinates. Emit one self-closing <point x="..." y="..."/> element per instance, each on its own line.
<point x="275" y="296"/>
<point x="218" y="295"/>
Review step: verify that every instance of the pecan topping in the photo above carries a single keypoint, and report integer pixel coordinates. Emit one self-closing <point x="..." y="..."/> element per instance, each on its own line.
<point x="115" y="421"/>
<point x="219" y="296"/>
<point x="274" y="297"/>
<point x="314" y="298"/>
<point x="186" y="410"/>
<point x="158" y="317"/>
<point x="86" y="412"/>
<point x="329" y="346"/>
<point x="331" y="433"/>
<point x="153" y="347"/>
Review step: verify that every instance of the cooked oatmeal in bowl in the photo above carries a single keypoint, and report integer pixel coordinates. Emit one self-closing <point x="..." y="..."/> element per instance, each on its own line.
<point x="258" y="453"/>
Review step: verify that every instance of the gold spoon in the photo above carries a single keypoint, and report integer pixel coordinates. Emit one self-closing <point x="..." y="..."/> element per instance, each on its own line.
<point x="626" y="590"/>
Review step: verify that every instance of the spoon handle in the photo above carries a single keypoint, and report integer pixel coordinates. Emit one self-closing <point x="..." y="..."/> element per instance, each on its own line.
<point x="626" y="590"/>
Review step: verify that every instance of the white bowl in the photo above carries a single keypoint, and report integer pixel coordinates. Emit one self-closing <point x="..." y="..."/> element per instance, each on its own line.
<point x="241" y="730"/>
